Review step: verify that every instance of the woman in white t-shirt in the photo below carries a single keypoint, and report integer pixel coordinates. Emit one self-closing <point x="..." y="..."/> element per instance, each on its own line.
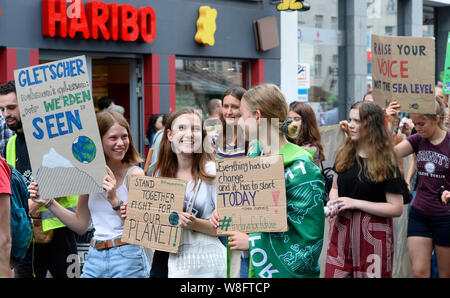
<point x="108" y="255"/>
<point x="181" y="156"/>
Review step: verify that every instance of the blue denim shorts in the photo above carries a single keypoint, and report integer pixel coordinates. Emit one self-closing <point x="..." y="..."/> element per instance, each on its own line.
<point x="126" y="261"/>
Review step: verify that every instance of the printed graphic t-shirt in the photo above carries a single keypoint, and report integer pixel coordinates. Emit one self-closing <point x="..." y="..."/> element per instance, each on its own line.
<point x="433" y="171"/>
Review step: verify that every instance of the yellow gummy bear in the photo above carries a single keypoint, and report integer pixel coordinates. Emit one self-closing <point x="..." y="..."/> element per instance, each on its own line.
<point x="206" y="25"/>
<point x="290" y="4"/>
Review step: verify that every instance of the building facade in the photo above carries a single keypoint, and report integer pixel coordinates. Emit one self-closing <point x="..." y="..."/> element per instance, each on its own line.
<point x="334" y="54"/>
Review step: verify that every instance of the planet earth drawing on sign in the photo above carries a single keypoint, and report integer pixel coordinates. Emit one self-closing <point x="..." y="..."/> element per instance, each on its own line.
<point x="83" y="149"/>
<point x="173" y="218"/>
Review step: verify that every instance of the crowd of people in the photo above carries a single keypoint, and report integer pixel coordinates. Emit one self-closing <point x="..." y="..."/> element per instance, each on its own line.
<point x="368" y="190"/>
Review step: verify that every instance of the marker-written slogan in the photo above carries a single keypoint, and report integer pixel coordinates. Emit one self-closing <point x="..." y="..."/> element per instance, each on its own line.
<point x="251" y="194"/>
<point x="59" y="123"/>
<point x="152" y="212"/>
<point x="403" y="71"/>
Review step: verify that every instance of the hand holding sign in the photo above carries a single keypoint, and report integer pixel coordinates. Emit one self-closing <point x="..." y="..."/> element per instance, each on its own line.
<point x="186" y="220"/>
<point x="237" y="240"/>
<point x="109" y="184"/>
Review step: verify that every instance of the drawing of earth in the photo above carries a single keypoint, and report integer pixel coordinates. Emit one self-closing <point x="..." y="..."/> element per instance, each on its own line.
<point x="83" y="149"/>
<point x="173" y="218"/>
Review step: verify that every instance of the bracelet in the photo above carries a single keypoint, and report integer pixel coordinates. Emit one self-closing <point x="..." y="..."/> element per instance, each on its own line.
<point x="116" y="208"/>
<point x="49" y="203"/>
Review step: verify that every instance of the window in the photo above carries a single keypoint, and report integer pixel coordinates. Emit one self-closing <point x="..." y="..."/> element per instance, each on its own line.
<point x="318" y="65"/>
<point x="391" y="7"/>
<point x="318" y="21"/>
<point x="200" y="80"/>
<point x="333" y="22"/>
<point x="389" y="30"/>
<point x="319" y="39"/>
<point x="428" y="21"/>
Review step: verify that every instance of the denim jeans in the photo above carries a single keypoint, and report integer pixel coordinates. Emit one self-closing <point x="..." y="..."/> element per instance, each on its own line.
<point x="245" y="264"/>
<point x="126" y="261"/>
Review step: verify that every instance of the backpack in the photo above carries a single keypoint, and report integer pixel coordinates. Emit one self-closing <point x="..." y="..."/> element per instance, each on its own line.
<point x="327" y="174"/>
<point x="21" y="224"/>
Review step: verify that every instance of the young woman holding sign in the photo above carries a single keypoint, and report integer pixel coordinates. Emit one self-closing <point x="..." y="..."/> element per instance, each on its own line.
<point x="108" y="255"/>
<point x="429" y="220"/>
<point x="365" y="196"/>
<point x="294" y="253"/>
<point x="181" y="156"/>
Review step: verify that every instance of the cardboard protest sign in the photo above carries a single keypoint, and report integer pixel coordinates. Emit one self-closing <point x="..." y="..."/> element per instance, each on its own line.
<point x="403" y="71"/>
<point x="251" y="194"/>
<point x="446" y="81"/>
<point x="152" y="212"/>
<point x="60" y="127"/>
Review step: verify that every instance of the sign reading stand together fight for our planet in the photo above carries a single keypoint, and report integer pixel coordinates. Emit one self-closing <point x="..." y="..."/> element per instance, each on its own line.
<point x="153" y="209"/>
<point x="60" y="127"/>
<point x="251" y="194"/>
<point x="403" y="71"/>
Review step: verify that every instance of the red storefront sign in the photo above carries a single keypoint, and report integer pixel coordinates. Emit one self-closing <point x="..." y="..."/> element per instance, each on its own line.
<point x="99" y="20"/>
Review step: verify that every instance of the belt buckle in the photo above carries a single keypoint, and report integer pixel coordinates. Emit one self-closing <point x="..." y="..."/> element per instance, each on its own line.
<point x="99" y="245"/>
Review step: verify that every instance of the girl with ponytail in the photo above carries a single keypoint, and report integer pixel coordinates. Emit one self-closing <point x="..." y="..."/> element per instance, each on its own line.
<point x="294" y="253"/>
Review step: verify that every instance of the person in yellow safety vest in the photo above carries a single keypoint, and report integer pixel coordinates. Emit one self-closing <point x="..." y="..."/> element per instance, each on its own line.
<point x="49" y="221"/>
<point x="53" y="242"/>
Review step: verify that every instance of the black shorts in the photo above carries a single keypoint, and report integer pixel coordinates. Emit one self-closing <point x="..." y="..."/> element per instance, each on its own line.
<point x="434" y="227"/>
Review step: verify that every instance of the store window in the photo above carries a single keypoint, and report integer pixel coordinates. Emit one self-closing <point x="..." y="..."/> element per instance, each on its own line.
<point x="381" y="20"/>
<point x="318" y="45"/>
<point x="200" y="80"/>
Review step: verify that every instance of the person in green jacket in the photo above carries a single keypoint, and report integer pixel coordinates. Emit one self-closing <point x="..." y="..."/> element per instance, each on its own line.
<point x="294" y="253"/>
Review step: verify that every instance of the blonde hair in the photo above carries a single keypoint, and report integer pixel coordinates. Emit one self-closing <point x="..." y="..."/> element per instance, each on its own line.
<point x="439" y="111"/>
<point x="270" y="102"/>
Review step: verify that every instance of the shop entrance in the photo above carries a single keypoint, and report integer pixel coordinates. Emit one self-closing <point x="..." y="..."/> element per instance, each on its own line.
<point x="117" y="78"/>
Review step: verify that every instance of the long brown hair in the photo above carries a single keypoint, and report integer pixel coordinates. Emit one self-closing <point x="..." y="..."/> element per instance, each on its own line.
<point x="236" y="92"/>
<point x="308" y="133"/>
<point x="106" y="119"/>
<point x="167" y="165"/>
<point x="381" y="160"/>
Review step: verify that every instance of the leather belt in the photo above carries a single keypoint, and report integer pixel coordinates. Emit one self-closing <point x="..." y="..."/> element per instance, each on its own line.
<point x="107" y="244"/>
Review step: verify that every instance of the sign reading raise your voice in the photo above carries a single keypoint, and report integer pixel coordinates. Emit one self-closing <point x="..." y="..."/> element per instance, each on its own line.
<point x="403" y="71"/>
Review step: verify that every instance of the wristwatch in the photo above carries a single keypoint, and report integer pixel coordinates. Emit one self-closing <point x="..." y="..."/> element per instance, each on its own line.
<point x="118" y="206"/>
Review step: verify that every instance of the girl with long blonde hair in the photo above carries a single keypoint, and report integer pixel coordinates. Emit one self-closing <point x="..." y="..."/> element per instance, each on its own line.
<point x="294" y="253"/>
<point x="429" y="220"/>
